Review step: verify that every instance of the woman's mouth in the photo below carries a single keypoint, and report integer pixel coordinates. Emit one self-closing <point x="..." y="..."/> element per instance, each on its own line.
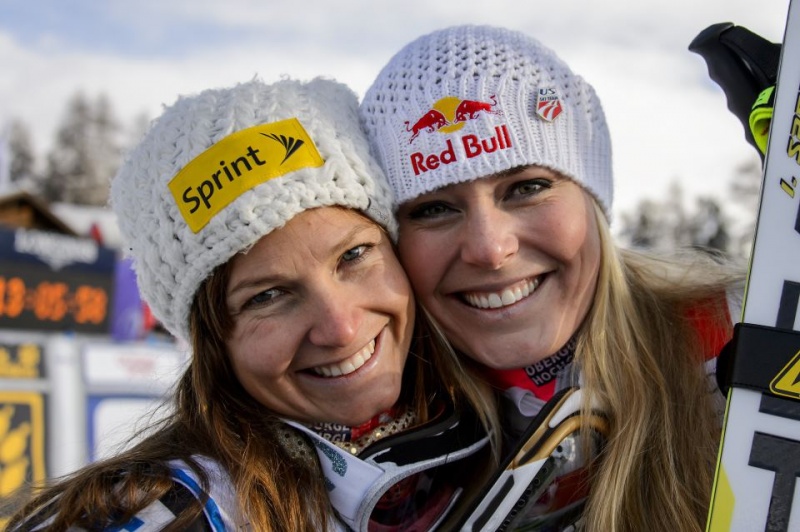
<point x="504" y="298"/>
<point x="349" y="365"/>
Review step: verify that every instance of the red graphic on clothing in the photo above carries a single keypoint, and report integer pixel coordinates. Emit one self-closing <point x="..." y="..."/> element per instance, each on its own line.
<point x="548" y="104"/>
<point x="469" y="109"/>
<point x="449" y="114"/>
<point x="430" y="122"/>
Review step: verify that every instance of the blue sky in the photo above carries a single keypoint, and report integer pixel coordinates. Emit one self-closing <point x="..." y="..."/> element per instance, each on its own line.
<point x="89" y="26"/>
<point x="668" y="120"/>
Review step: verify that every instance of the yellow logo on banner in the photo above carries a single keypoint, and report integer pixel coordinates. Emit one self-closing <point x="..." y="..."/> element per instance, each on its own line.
<point x="237" y="163"/>
<point x="22" y="441"/>
<point x="22" y="361"/>
<point x="787" y="382"/>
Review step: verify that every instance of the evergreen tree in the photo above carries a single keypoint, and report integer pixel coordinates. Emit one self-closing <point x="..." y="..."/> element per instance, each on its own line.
<point x="22" y="173"/>
<point x="667" y="225"/>
<point x="657" y="225"/>
<point x="640" y="228"/>
<point x="708" y="227"/>
<point x="86" y="153"/>
<point x="745" y="192"/>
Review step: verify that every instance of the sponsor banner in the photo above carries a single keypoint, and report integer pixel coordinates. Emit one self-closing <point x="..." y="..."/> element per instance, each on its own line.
<point x="53" y="282"/>
<point x="142" y="367"/>
<point x="128" y="315"/>
<point x="55" y="251"/>
<point x="22" y="443"/>
<point x="21" y="361"/>
<point x="114" y="422"/>
<point x="38" y="298"/>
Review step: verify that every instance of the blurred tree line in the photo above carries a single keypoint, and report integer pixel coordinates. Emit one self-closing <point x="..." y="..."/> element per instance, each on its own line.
<point x="90" y="143"/>
<point x="87" y="151"/>
<point x="722" y="224"/>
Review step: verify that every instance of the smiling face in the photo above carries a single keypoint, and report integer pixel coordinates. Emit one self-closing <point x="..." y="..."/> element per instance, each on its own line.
<point x="322" y="318"/>
<point x="507" y="264"/>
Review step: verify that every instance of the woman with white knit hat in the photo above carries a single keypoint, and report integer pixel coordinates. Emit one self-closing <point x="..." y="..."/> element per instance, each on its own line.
<point x="259" y="227"/>
<point x="500" y="160"/>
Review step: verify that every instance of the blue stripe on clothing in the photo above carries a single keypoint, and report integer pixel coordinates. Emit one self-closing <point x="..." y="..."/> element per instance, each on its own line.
<point x="211" y="510"/>
<point x="130" y="526"/>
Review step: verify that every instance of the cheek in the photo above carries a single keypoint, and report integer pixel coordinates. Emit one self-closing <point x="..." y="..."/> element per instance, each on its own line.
<point x="258" y="351"/>
<point x="574" y="235"/>
<point x="393" y="277"/>
<point x="579" y="245"/>
<point x="420" y="262"/>
<point x="574" y="241"/>
<point x="397" y="293"/>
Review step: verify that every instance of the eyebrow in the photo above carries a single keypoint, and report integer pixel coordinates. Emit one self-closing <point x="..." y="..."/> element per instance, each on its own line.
<point x="341" y="244"/>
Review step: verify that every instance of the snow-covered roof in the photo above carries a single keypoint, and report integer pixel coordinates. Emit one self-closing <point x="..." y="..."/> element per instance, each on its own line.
<point x="81" y="218"/>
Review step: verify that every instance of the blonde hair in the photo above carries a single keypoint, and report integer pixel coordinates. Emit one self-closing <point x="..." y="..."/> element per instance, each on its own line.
<point x="641" y="356"/>
<point x="278" y="485"/>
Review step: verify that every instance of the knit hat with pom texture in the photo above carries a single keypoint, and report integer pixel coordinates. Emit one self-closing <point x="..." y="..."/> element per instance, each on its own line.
<point x="221" y="169"/>
<point x="470" y="101"/>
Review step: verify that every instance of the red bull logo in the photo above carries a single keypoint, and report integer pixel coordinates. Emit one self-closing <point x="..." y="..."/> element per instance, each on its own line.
<point x="468" y="147"/>
<point x="449" y="114"/>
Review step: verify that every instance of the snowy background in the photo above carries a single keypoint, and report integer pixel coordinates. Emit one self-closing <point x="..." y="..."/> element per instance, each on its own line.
<point x="668" y="119"/>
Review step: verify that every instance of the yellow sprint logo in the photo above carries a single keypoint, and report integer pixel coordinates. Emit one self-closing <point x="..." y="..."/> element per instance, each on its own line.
<point x="238" y="163"/>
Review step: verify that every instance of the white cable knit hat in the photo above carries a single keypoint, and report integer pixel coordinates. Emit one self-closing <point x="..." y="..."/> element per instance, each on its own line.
<point x="221" y="169"/>
<point x="470" y="101"/>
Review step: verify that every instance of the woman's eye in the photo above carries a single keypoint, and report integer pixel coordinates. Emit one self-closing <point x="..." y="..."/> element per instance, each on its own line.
<point x="529" y="187"/>
<point x="429" y="210"/>
<point x="356" y="253"/>
<point x="263" y="298"/>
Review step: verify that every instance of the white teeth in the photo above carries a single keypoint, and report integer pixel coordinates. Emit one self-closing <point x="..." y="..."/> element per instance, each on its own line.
<point x="508" y="296"/>
<point x="349" y="365"/>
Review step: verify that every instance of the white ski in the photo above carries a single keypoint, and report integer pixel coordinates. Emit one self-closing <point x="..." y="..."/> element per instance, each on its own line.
<point x="759" y="458"/>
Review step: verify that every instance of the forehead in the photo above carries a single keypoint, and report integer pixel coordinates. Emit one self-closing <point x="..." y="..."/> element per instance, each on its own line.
<point x="314" y="232"/>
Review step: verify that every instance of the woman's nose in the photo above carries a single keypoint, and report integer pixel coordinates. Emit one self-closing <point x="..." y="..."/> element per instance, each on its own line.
<point x="337" y="317"/>
<point x="488" y="239"/>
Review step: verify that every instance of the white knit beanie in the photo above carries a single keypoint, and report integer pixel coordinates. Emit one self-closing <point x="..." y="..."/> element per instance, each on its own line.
<point x="470" y="101"/>
<point x="221" y="169"/>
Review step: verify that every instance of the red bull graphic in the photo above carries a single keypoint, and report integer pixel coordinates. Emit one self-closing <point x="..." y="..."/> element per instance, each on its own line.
<point x="449" y="114"/>
<point x="469" y="146"/>
<point x="430" y="122"/>
<point x="548" y="104"/>
<point x="470" y="109"/>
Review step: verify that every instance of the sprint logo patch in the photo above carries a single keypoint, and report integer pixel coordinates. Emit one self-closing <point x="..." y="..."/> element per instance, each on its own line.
<point x="238" y="163"/>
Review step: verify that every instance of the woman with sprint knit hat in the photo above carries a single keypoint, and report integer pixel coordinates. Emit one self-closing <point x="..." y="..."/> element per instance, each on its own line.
<point x="259" y="227"/>
<point x="500" y="160"/>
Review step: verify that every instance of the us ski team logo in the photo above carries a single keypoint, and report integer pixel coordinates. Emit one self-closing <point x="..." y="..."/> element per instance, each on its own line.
<point x="548" y="104"/>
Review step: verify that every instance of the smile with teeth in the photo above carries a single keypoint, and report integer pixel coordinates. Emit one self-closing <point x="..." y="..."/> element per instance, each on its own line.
<point x="349" y="365"/>
<point x="506" y="297"/>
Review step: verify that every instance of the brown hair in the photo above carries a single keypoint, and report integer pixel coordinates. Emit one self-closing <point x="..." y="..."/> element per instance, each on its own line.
<point x="278" y="486"/>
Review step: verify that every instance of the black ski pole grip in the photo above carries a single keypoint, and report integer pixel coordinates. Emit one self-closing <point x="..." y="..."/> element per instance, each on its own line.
<point x="742" y="63"/>
<point x="728" y="70"/>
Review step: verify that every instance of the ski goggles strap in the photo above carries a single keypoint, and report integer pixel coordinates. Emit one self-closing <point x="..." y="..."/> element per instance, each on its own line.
<point x="417" y="462"/>
<point x="543" y="483"/>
